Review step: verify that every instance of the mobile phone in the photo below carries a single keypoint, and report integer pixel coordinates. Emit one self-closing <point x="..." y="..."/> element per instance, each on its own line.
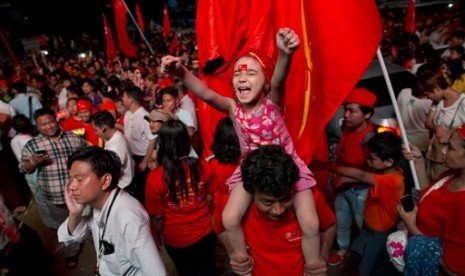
<point x="40" y="151"/>
<point x="407" y="202"/>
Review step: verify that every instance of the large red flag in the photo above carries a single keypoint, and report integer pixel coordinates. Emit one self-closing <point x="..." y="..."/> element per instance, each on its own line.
<point x="125" y="45"/>
<point x="410" y="18"/>
<point x="111" y="48"/>
<point x="339" y="39"/>
<point x="166" y="22"/>
<point x="140" y="18"/>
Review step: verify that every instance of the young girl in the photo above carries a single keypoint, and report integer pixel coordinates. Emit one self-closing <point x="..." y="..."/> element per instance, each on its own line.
<point x="176" y="199"/>
<point x="257" y="119"/>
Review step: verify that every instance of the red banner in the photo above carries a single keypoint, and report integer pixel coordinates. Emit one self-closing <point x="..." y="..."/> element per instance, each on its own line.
<point x="166" y="22"/>
<point x="338" y="41"/>
<point x="140" y="18"/>
<point x="110" y="42"/>
<point x="125" y="45"/>
<point x="410" y="25"/>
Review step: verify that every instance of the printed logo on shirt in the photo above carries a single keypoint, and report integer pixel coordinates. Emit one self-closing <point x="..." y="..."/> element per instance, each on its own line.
<point x="293" y="236"/>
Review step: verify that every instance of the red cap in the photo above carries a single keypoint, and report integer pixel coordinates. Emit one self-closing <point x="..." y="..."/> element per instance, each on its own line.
<point x="362" y="96"/>
<point x="264" y="60"/>
<point x="461" y="131"/>
<point x="83" y="105"/>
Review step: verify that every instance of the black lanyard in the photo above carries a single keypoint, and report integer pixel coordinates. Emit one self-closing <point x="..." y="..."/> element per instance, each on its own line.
<point x="103" y="243"/>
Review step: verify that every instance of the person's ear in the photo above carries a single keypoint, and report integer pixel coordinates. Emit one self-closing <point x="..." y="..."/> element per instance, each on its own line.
<point x="106" y="181"/>
<point x="389" y="162"/>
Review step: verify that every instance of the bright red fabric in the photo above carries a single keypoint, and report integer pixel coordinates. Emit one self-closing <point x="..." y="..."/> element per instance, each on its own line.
<point x="275" y="246"/>
<point x="382" y="201"/>
<point x="125" y="45"/>
<point x="110" y="42"/>
<point x="410" y="25"/>
<point x="166" y="22"/>
<point x="140" y="18"/>
<point x="185" y="223"/>
<point x="225" y="28"/>
<point x="221" y="172"/>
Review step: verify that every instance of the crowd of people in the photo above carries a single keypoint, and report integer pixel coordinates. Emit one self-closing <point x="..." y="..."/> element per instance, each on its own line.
<point x="111" y="149"/>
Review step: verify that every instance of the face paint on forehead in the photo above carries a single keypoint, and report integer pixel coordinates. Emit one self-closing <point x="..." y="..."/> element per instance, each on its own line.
<point x="242" y="67"/>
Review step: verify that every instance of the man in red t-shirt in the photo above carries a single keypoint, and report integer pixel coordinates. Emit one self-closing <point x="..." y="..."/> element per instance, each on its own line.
<point x="84" y="108"/>
<point x="271" y="229"/>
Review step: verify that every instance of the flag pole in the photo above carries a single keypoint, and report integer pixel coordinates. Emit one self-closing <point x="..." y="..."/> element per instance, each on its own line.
<point x="397" y="112"/>
<point x="138" y="28"/>
<point x="7" y="45"/>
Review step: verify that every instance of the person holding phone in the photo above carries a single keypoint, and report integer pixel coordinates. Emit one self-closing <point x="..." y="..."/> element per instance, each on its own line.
<point x="437" y="223"/>
<point x="47" y="154"/>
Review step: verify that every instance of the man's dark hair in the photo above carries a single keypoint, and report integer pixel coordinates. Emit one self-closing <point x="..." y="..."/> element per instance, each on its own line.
<point x="101" y="161"/>
<point x="386" y="145"/>
<point x="367" y="110"/>
<point x="43" y="111"/>
<point x="20" y="86"/>
<point x="134" y="93"/>
<point x="269" y="170"/>
<point x="225" y="144"/>
<point x="21" y="124"/>
<point x="103" y="118"/>
<point x="170" y="91"/>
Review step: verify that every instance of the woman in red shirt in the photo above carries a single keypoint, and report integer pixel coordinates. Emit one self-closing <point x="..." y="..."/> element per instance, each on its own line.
<point x="438" y="222"/>
<point x="176" y="199"/>
<point x="224" y="161"/>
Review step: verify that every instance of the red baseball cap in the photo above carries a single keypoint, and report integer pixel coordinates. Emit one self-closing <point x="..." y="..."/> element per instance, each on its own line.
<point x="83" y="105"/>
<point x="362" y="96"/>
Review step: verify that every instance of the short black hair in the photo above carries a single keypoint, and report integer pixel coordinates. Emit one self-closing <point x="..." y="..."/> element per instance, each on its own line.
<point x="103" y="118"/>
<point x="20" y="86"/>
<point x="386" y="145"/>
<point x="269" y="170"/>
<point x="170" y="91"/>
<point x="21" y="124"/>
<point x="100" y="160"/>
<point x="134" y="93"/>
<point x="43" y="111"/>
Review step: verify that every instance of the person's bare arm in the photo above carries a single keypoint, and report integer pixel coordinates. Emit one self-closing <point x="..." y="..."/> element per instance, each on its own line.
<point x="287" y="42"/>
<point x="173" y="65"/>
<point x="354" y="173"/>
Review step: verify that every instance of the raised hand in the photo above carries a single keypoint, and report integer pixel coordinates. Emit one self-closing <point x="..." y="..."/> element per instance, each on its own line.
<point x="287" y="40"/>
<point x="170" y="65"/>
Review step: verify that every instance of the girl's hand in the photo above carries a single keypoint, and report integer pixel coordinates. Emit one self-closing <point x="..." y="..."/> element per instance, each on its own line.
<point x="170" y="65"/>
<point x="287" y="40"/>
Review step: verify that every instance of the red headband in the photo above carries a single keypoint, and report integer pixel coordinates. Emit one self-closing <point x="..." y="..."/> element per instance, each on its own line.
<point x="264" y="61"/>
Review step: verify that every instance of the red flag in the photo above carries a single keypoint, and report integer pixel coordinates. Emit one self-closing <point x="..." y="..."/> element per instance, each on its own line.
<point x="166" y="22"/>
<point x="320" y="75"/>
<point x="125" y="45"/>
<point x="140" y="18"/>
<point x="111" y="48"/>
<point x="173" y="45"/>
<point x="7" y="45"/>
<point x="410" y="18"/>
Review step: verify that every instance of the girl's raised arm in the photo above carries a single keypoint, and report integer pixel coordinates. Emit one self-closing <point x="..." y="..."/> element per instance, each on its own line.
<point x="173" y="66"/>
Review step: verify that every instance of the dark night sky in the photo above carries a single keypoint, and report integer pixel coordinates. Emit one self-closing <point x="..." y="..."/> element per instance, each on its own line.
<point x="68" y="16"/>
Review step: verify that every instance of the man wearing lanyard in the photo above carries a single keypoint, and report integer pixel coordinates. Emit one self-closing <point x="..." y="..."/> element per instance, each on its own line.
<point x="119" y="224"/>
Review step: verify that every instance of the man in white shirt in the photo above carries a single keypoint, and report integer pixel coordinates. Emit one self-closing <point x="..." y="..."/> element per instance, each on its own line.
<point x="104" y="126"/>
<point x="119" y="224"/>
